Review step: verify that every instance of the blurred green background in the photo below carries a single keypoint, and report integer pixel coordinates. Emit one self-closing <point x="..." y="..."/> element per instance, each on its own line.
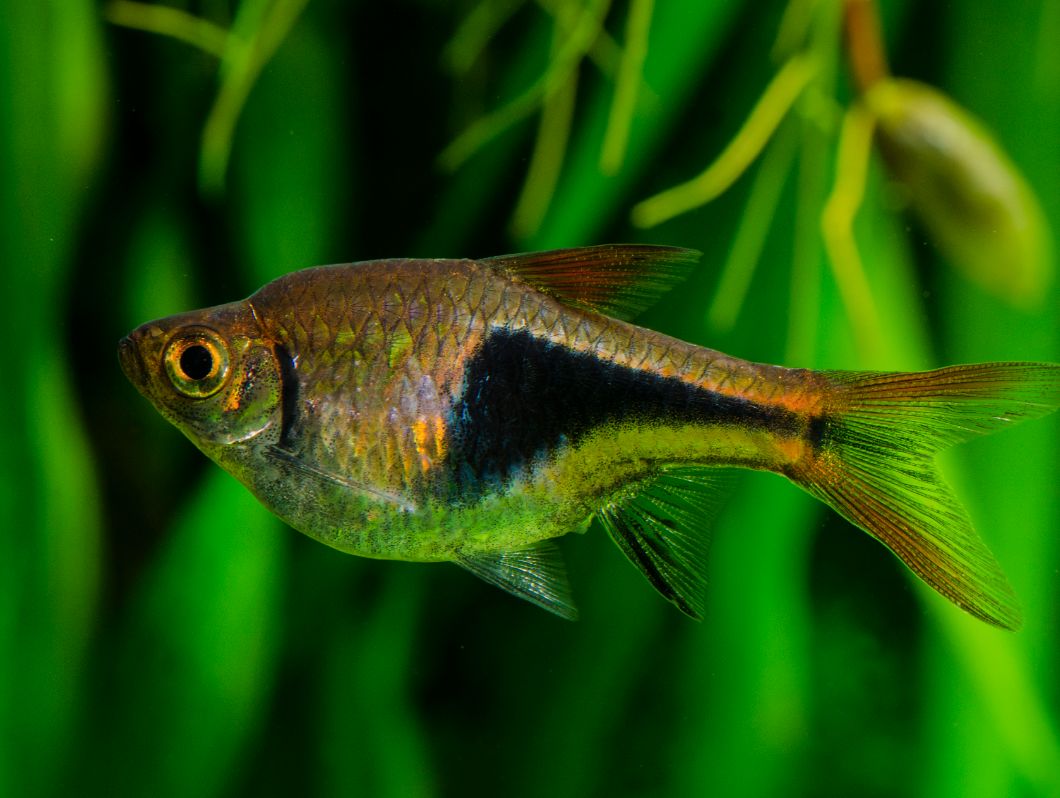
<point x="161" y="634"/>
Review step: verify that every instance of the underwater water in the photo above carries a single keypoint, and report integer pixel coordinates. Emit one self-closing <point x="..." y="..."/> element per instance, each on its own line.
<point x="163" y="634"/>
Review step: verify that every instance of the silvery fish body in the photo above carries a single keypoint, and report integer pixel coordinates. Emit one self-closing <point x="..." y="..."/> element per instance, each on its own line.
<point x="471" y="411"/>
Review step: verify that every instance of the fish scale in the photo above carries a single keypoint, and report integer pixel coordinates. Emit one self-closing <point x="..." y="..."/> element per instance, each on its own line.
<point x="473" y="411"/>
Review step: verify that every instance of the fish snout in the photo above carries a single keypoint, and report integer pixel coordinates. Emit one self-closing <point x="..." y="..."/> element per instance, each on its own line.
<point x="131" y="362"/>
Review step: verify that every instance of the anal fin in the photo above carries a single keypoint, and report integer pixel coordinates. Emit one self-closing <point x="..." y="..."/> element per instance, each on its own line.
<point x="535" y="573"/>
<point x="664" y="529"/>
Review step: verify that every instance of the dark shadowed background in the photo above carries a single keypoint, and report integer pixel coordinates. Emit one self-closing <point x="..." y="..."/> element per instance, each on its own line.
<point x="161" y="634"/>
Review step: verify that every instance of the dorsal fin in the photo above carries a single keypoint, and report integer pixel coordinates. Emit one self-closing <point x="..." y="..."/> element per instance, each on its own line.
<point x="619" y="280"/>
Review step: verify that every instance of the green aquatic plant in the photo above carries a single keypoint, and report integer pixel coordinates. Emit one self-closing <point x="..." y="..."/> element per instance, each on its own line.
<point x="259" y="27"/>
<point x="970" y="196"/>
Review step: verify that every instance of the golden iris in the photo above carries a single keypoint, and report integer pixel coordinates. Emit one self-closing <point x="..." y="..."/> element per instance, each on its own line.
<point x="197" y="363"/>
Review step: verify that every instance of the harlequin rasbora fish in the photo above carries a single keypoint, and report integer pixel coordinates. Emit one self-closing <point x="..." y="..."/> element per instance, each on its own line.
<point x="472" y="410"/>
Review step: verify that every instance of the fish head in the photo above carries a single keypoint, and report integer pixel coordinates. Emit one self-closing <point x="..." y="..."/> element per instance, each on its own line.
<point x="212" y="373"/>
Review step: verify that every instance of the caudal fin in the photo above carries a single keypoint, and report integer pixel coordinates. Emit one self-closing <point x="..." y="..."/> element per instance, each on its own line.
<point x="875" y="464"/>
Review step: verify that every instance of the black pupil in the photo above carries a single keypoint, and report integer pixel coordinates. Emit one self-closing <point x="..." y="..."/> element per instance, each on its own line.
<point x="196" y="362"/>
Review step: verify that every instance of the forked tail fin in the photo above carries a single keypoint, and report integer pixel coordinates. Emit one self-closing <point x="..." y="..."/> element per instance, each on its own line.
<point x="874" y="463"/>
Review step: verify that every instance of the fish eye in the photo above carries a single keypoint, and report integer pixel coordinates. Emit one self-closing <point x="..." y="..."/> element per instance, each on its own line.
<point x="197" y="363"/>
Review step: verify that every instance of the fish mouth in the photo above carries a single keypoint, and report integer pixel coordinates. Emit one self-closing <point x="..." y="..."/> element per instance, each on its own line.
<point x="131" y="362"/>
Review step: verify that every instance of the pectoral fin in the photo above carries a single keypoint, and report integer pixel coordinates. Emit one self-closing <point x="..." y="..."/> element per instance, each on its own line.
<point x="535" y="573"/>
<point x="289" y="460"/>
<point x="664" y="531"/>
